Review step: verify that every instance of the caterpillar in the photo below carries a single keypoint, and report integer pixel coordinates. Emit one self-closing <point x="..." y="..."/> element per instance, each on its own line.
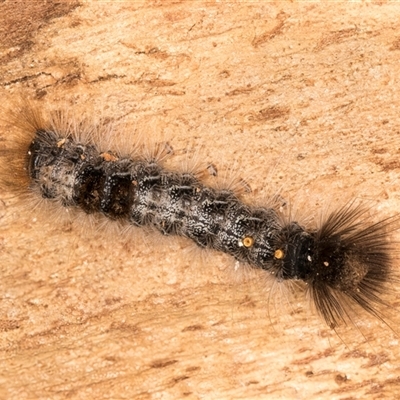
<point x="345" y="263"/>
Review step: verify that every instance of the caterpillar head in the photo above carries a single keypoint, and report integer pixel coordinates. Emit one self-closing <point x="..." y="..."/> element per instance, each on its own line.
<point x="346" y="261"/>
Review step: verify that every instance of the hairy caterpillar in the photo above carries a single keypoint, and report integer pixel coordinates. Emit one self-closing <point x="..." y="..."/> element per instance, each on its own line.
<point x="345" y="262"/>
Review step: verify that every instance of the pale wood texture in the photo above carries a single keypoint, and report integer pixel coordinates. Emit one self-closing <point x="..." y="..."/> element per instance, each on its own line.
<point x="301" y="98"/>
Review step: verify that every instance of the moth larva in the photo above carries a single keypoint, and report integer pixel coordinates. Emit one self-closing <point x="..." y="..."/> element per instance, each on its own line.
<point x="345" y="262"/>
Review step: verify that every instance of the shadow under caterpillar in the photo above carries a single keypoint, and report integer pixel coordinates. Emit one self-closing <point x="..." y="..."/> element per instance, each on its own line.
<point x="345" y="262"/>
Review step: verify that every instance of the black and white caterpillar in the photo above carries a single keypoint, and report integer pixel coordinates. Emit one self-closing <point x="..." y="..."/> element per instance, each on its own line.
<point x="345" y="262"/>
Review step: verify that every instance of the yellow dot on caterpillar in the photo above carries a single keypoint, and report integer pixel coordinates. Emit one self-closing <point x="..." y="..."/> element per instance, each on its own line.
<point x="61" y="142"/>
<point x="248" y="241"/>
<point x="326" y="263"/>
<point x="279" y="254"/>
<point x="108" y="157"/>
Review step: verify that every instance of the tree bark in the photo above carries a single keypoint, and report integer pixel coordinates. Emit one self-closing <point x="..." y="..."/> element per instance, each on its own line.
<point x="299" y="99"/>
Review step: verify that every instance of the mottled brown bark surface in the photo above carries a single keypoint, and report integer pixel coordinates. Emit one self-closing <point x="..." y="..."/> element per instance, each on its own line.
<point x="301" y="98"/>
